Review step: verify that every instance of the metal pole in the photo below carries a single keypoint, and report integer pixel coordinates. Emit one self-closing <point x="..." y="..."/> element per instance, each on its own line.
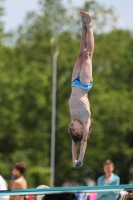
<point x="55" y="54"/>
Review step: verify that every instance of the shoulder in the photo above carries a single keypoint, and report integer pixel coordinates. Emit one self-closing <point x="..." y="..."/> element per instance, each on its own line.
<point x="1" y="178"/>
<point x="21" y="183"/>
<point x="101" y="178"/>
<point x="16" y="183"/>
<point x="116" y="177"/>
<point x="3" y="184"/>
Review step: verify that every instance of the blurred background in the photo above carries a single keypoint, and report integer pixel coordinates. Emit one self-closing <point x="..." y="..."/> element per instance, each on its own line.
<point x="26" y="29"/>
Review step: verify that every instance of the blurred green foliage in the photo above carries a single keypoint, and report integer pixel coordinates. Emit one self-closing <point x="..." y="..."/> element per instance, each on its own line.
<point x="26" y="94"/>
<point x="38" y="176"/>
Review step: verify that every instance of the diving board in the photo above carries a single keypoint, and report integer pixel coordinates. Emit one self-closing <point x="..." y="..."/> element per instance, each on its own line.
<point x="60" y="190"/>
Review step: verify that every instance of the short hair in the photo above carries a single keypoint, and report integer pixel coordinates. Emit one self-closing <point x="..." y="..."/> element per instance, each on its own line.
<point x="21" y="166"/>
<point x="108" y="162"/>
<point x="77" y="135"/>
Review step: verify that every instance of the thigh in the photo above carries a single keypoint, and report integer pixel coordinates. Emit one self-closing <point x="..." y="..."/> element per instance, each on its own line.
<point x="77" y="67"/>
<point x="86" y="71"/>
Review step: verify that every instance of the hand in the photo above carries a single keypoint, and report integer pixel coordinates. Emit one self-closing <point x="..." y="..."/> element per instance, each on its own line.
<point x="74" y="162"/>
<point x="78" y="164"/>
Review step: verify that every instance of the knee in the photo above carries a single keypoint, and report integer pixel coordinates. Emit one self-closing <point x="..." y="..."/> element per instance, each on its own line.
<point x="87" y="54"/>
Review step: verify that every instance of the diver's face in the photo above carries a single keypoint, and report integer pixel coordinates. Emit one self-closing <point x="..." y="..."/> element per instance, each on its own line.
<point x="74" y="125"/>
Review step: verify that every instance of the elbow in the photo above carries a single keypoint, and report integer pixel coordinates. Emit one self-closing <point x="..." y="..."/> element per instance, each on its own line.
<point x="84" y="140"/>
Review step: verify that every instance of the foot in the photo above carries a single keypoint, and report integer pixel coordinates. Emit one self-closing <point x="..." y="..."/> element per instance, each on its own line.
<point x="87" y="18"/>
<point x="78" y="164"/>
<point x="82" y="18"/>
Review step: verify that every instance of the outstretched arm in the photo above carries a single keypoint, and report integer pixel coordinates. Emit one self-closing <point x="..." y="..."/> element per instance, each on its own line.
<point x="83" y="147"/>
<point x="84" y="141"/>
<point x="74" y="151"/>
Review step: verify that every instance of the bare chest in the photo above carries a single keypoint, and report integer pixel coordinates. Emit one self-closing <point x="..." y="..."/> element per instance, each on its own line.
<point x="79" y="108"/>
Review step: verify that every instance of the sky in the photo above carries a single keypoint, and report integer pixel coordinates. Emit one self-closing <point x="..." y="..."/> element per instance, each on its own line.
<point x="15" y="11"/>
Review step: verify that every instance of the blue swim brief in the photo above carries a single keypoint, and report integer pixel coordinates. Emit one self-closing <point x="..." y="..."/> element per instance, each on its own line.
<point x="77" y="83"/>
